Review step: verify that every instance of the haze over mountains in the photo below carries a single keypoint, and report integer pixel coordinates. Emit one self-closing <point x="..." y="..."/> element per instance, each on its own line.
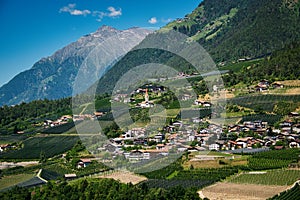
<point x="228" y="30"/>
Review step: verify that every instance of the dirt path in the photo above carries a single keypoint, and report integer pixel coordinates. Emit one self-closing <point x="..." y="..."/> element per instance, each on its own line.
<point x="4" y="165"/>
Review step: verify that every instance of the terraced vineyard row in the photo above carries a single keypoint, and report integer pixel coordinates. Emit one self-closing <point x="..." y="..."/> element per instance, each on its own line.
<point x="265" y="163"/>
<point x="292" y="194"/>
<point x="274" y="177"/>
<point x="214" y="174"/>
<point x="164" y="183"/>
<point x="49" y="145"/>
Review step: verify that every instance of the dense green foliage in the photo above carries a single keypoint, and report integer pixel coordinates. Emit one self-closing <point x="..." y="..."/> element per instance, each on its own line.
<point x="98" y="189"/>
<point x="282" y="64"/>
<point x="135" y="58"/>
<point x="291" y="194"/>
<point x="235" y="29"/>
<point x="21" y="117"/>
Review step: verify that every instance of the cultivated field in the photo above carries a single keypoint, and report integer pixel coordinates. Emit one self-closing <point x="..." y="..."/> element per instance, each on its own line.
<point x="233" y="191"/>
<point x="274" y="177"/>
<point x="50" y="145"/>
<point x="8" y="181"/>
<point x="125" y="177"/>
<point x="293" y="83"/>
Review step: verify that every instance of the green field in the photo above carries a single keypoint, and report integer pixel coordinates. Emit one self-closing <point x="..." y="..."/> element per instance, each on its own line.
<point x="275" y="177"/>
<point x="7" y="139"/>
<point x="34" y="146"/>
<point x="8" y="181"/>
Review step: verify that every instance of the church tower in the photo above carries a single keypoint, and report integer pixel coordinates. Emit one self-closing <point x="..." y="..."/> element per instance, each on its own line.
<point x="146" y="96"/>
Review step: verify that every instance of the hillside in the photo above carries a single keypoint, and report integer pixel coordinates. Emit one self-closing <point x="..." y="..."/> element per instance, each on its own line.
<point x="283" y="64"/>
<point x="229" y="30"/>
<point x="233" y="29"/>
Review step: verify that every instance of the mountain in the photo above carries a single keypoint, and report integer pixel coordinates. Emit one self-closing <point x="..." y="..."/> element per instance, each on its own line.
<point x="233" y="29"/>
<point x="228" y="29"/>
<point x="53" y="77"/>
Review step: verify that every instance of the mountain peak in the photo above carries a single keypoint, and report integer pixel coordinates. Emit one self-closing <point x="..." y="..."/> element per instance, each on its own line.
<point x="106" y="28"/>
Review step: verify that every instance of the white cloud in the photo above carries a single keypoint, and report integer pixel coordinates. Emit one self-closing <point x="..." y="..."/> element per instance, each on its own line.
<point x="71" y="9"/>
<point x="153" y="20"/>
<point x="80" y="12"/>
<point x="113" y="12"/>
<point x="99" y="14"/>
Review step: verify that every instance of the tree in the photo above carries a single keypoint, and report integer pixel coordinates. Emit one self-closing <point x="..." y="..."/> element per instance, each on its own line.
<point x="43" y="157"/>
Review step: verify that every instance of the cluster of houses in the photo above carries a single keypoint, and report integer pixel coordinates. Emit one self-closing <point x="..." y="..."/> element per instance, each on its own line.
<point x="265" y="85"/>
<point x="175" y="138"/>
<point x="62" y="120"/>
<point x="180" y="136"/>
<point x="96" y="115"/>
<point x="286" y="136"/>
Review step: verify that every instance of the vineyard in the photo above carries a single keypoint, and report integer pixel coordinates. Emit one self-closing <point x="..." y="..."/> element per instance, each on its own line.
<point x="49" y="145"/>
<point x="273" y="159"/>
<point x="285" y="154"/>
<point x="187" y="178"/>
<point x="35" y="181"/>
<point x="213" y="174"/>
<point x="164" y="172"/>
<point x="163" y="183"/>
<point x="50" y="175"/>
<point x="59" y="129"/>
<point x="275" y="177"/>
<point x="293" y="193"/>
<point x="265" y="102"/>
<point x="11" y="180"/>
<point x="265" y="163"/>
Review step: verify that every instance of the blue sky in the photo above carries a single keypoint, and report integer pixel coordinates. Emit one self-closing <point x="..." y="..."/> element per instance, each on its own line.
<point x="32" y="29"/>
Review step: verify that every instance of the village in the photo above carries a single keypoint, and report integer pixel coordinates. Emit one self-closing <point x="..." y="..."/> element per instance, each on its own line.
<point x="248" y="137"/>
<point x="199" y="134"/>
